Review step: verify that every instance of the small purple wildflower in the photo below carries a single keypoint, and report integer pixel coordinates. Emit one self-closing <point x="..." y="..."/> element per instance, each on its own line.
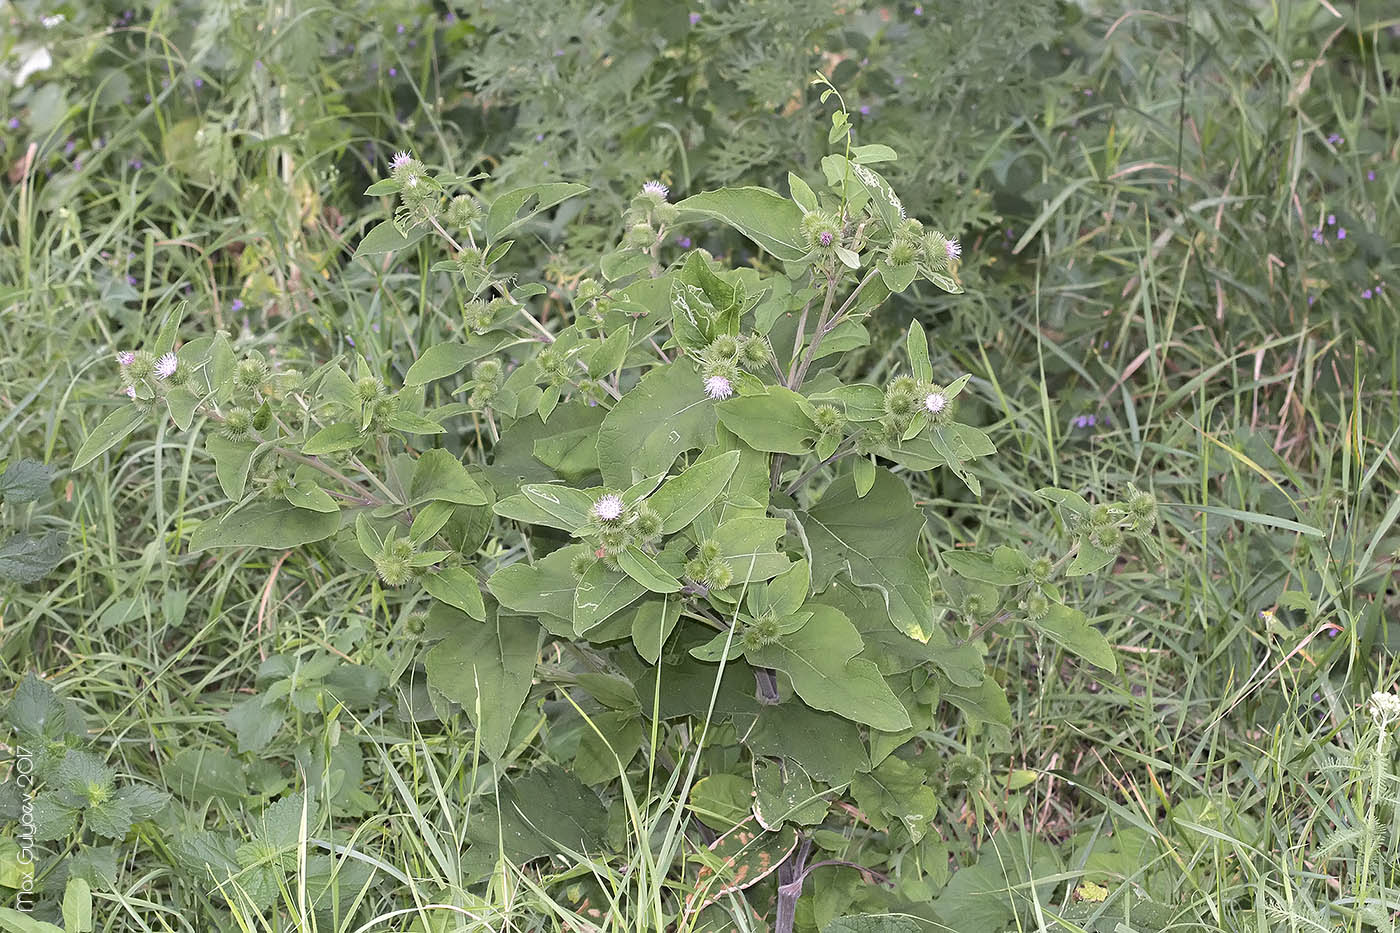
<point x="198" y="83"/>
<point x="1341" y="233"/>
<point x="608" y="508"/>
<point x="539" y="137"/>
<point x="131" y="280"/>
<point x="683" y="242"/>
<point x="14" y="123"/>
<point x="694" y="18"/>
<point x="1331" y="220"/>
<point x="1311" y="299"/>
<point x="69" y="146"/>
<point x="825" y="238"/>
<point x="257" y="63"/>
<point x="126" y="357"/>
<point x="350" y="340"/>
<point x="865" y="110"/>
<point x="148" y="98"/>
<point x="399" y="29"/>
<point x="918" y="11"/>
<point x="1366" y="293"/>
<point x="1334" y="140"/>
<point x="718" y="387"/>
<point x="1317" y="234"/>
<point x="237" y="304"/>
<point x="1371" y="176"/>
<point x="136" y="164"/>
<point x="393" y="72"/>
<point x="166" y="366"/>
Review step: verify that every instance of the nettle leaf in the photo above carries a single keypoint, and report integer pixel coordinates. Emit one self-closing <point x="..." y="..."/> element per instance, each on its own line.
<point x="684" y="496"/>
<point x="873" y="538"/>
<point x="513" y="208"/>
<point x="776" y="421"/>
<point x="1070" y="629"/>
<point x="821" y="661"/>
<point x="764" y="216"/>
<point x="26" y="558"/>
<point x="25" y="480"/>
<point x="666" y="414"/>
<point x="541" y="813"/>
<point x="277" y="525"/>
<point x="486" y="669"/>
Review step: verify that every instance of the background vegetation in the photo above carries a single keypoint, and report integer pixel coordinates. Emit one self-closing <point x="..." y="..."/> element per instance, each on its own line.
<point x="1178" y="226"/>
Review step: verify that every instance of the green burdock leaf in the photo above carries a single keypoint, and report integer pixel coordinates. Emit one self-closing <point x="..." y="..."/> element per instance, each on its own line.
<point x="513" y="208"/>
<point x="666" y="414"/>
<point x="684" y="496"/>
<point x="457" y="587"/>
<point x="1070" y="629"/>
<point x="764" y="216"/>
<point x="385" y="237"/>
<point x="784" y="793"/>
<point x="645" y="570"/>
<point x="487" y="670"/>
<point x="820" y="659"/>
<point x="896" y="790"/>
<point x="874" y="538"/>
<point x="232" y="461"/>
<point x="111" y="432"/>
<point x="776" y="422"/>
<point x="438" y="476"/>
<point x="600" y="594"/>
<point x="544" y="587"/>
<point x="278" y="525"/>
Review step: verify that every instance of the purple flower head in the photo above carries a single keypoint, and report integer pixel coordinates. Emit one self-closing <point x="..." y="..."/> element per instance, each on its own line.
<point x="125" y="358"/>
<point x="918" y="11"/>
<point x="825" y="238"/>
<point x="1341" y="233"/>
<point x="865" y="110"/>
<point x="683" y="242"/>
<point x="1311" y="299"/>
<point x="136" y="164"/>
<point x="400" y="159"/>
<point x="1331" y="220"/>
<point x="393" y="72"/>
<point x="656" y="189"/>
<point x="935" y="402"/>
<point x="1317" y="234"/>
<point x="166" y="366"/>
<point x="954" y="248"/>
<point x="1366" y="293"/>
<point x="199" y="82"/>
<point x="237" y="304"/>
<point x="694" y="18"/>
<point x="1371" y="176"/>
<point x="539" y="137"/>
<point x="1334" y="140"/>
<point x="718" y="387"/>
<point x="131" y="392"/>
<point x="131" y="280"/>
<point x="69" y="146"/>
<point x="399" y="29"/>
<point x="608" y="508"/>
<point x="14" y="123"/>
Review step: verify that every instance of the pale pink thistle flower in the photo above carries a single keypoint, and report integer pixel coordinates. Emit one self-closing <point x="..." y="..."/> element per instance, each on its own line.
<point x="166" y="366"/>
<point x="608" y="508"/>
<point x="935" y="402"/>
<point x="400" y="160"/>
<point x="656" y="188"/>
<point x="954" y="248"/>
<point x="125" y="358"/>
<point x="131" y="392"/>
<point x="718" y="387"/>
<point x="825" y="238"/>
